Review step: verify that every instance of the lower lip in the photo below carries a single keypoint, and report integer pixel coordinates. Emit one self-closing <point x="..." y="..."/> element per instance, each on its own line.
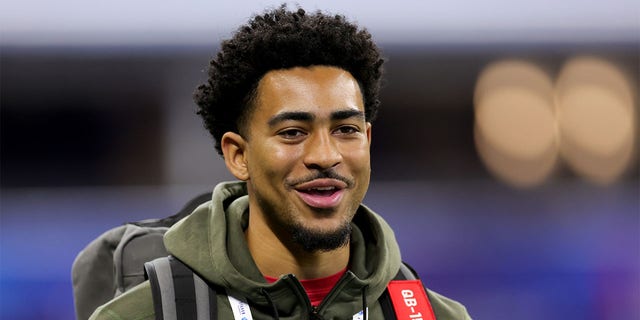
<point x="321" y="201"/>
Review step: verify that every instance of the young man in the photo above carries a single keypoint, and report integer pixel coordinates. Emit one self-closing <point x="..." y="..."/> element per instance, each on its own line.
<point x="289" y="101"/>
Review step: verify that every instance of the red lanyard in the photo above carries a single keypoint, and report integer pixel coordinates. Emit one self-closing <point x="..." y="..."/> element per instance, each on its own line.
<point x="410" y="300"/>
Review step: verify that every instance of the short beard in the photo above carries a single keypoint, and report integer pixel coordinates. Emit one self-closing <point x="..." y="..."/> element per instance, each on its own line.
<point x="313" y="241"/>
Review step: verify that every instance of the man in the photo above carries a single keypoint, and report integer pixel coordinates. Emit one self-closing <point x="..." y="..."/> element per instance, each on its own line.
<point x="289" y="101"/>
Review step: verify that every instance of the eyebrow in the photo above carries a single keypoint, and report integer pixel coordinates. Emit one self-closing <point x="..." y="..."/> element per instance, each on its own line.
<point x="346" y="114"/>
<point x="307" y="116"/>
<point x="290" y="115"/>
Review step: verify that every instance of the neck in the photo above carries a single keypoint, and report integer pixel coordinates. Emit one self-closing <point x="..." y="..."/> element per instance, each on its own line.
<point x="275" y="256"/>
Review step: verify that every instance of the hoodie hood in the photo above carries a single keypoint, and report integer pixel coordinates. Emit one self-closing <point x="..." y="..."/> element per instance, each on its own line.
<point x="211" y="241"/>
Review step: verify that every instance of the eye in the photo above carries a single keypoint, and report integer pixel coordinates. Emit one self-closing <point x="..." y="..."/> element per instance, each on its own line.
<point x="291" y="133"/>
<point x="347" y="130"/>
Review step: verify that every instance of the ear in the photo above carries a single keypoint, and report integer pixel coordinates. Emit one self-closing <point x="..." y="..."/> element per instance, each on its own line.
<point x="234" y="151"/>
<point x="368" y="130"/>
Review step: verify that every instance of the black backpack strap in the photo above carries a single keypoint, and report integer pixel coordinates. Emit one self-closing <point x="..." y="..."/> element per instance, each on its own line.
<point x="387" y="306"/>
<point x="406" y="272"/>
<point x="178" y="293"/>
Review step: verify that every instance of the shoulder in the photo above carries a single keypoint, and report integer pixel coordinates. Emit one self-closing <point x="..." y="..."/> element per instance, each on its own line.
<point x="447" y="309"/>
<point x="135" y="304"/>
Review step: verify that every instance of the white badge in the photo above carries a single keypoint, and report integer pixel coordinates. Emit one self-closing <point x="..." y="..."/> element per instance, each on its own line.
<point x="360" y="316"/>
<point x="240" y="308"/>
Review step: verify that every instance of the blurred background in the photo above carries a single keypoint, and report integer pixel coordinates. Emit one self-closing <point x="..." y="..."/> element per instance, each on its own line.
<point x="504" y="155"/>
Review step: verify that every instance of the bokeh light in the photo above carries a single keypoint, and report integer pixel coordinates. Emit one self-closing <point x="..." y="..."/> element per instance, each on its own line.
<point x="597" y="118"/>
<point x="515" y="127"/>
<point x="524" y="123"/>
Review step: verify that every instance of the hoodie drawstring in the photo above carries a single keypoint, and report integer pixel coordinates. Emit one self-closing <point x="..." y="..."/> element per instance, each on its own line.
<point x="364" y="302"/>
<point x="273" y="305"/>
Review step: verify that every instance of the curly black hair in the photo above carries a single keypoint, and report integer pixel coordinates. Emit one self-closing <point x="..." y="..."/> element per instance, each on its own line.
<point x="283" y="39"/>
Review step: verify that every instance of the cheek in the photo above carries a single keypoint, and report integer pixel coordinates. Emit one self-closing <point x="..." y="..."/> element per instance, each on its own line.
<point x="283" y="154"/>
<point x="273" y="159"/>
<point x="358" y="157"/>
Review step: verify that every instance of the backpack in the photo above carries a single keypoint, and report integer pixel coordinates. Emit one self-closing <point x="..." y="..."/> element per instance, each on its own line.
<point x="114" y="262"/>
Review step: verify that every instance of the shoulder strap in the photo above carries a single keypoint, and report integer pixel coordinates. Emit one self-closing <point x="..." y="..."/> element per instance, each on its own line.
<point x="406" y="272"/>
<point x="385" y="300"/>
<point x="178" y="293"/>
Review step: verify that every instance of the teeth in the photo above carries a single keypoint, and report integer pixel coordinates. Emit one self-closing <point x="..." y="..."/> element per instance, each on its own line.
<point x="322" y="189"/>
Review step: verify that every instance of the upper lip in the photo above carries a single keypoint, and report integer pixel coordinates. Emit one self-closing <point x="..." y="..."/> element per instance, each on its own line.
<point x="321" y="183"/>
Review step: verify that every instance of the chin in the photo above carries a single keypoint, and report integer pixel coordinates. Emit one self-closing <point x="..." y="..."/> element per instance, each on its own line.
<point x="322" y="239"/>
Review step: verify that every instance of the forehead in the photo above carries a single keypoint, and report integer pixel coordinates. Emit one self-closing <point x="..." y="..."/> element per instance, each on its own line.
<point x="316" y="89"/>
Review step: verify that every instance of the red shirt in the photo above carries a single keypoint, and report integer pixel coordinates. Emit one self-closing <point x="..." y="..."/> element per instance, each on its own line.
<point x="317" y="289"/>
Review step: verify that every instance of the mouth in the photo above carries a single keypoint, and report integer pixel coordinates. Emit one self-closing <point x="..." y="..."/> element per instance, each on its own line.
<point x="321" y="193"/>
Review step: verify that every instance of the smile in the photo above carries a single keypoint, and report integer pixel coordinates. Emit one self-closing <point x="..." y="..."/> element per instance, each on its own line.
<point x="321" y="193"/>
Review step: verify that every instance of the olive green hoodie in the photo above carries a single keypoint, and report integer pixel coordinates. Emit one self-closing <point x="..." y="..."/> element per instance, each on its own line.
<point x="211" y="241"/>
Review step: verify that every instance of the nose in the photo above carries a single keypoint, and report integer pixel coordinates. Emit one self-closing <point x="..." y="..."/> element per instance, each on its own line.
<point x="322" y="152"/>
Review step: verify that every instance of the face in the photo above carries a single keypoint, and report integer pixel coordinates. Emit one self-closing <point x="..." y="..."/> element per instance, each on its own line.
<point x="305" y="154"/>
